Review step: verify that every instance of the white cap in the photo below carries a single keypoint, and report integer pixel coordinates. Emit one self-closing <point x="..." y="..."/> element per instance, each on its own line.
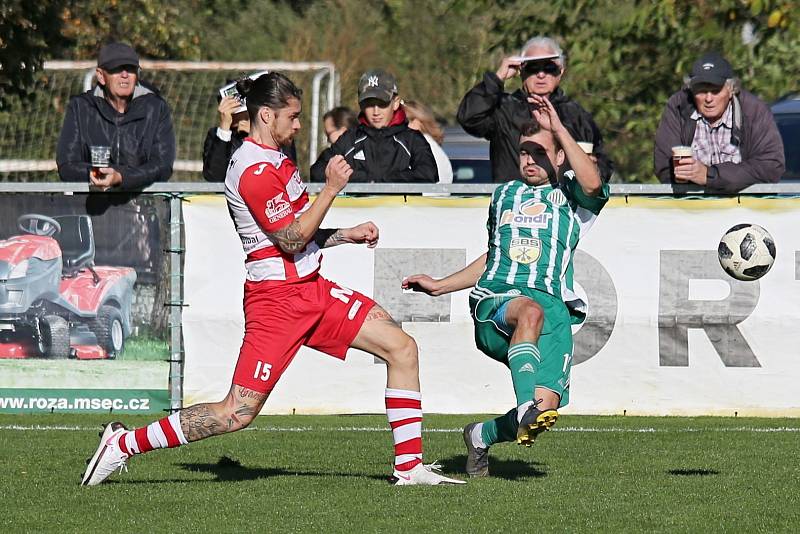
<point x="537" y="57"/>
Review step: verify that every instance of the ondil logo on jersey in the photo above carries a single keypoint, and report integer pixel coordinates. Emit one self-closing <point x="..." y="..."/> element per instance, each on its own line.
<point x="525" y="249"/>
<point x="277" y="208"/>
<point x="532" y="214"/>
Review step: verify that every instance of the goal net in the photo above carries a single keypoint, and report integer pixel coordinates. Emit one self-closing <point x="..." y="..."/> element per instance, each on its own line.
<point x="29" y="130"/>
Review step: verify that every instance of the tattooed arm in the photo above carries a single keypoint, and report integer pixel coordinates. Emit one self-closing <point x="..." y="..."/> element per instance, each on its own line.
<point x="293" y="237"/>
<point x="363" y="233"/>
<point x="329" y="237"/>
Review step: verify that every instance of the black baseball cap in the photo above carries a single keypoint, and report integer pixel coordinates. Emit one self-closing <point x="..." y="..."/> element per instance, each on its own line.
<point x="377" y="83"/>
<point x="712" y="69"/>
<point x="115" y="55"/>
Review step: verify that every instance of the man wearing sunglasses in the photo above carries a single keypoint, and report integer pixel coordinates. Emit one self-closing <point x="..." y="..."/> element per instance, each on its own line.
<point x="381" y="148"/>
<point x="130" y="121"/>
<point x="488" y="111"/>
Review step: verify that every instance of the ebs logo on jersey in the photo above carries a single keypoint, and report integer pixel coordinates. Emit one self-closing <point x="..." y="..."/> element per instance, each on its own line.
<point x="531" y="214"/>
<point x="525" y="249"/>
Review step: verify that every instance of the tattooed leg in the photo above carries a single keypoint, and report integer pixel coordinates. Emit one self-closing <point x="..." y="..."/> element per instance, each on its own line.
<point x="379" y="314"/>
<point x="233" y="413"/>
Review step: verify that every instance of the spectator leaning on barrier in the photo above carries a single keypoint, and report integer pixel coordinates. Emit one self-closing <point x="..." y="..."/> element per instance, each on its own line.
<point x="222" y="141"/>
<point x="420" y="118"/>
<point x="381" y="148"/>
<point x="489" y="112"/>
<point x="730" y="133"/>
<point x="131" y="123"/>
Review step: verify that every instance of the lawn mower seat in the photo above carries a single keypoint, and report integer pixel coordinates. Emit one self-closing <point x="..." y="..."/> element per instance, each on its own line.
<point x="77" y="242"/>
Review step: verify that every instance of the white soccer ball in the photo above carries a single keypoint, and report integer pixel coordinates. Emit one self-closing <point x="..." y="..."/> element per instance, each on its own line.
<point x="746" y="252"/>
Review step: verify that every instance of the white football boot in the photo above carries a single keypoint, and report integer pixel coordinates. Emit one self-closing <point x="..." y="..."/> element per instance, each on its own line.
<point x="108" y="457"/>
<point x="423" y="475"/>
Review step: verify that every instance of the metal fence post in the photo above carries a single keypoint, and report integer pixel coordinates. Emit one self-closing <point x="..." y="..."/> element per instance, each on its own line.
<point x="176" y="304"/>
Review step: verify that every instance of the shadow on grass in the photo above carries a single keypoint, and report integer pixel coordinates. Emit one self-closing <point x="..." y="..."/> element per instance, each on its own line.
<point x="693" y="472"/>
<point x="498" y="468"/>
<point x="227" y="469"/>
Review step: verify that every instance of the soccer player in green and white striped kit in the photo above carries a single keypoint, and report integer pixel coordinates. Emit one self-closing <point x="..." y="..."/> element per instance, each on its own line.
<point x="522" y="301"/>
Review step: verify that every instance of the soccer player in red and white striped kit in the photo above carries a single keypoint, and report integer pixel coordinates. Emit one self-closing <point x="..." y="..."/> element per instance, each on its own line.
<point x="287" y="303"/>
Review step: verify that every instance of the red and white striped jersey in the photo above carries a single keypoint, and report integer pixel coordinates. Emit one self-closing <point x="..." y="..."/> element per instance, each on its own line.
<point x="265" y="193"/>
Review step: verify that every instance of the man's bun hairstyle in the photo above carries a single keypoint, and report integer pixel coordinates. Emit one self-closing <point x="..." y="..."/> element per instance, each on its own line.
<point x="272" y="90"/>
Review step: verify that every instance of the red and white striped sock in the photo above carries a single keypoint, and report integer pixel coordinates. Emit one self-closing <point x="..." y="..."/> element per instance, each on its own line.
<point x="163" y="434"/>
<point x="404" y="410"/>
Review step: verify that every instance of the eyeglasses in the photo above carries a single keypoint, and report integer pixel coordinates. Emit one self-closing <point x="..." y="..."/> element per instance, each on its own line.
<point x="534" y="67"/>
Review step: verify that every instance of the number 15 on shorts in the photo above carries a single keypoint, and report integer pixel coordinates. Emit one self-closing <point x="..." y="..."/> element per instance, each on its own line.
<point x="263" y="370"/>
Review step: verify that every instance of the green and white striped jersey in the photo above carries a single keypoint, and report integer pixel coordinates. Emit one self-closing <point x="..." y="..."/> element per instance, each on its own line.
<point x="533" y="233"/>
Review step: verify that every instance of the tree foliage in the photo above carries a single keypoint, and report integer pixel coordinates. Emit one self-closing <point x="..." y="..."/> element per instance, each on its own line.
<point x="155" y="28"/>
<point x="435" y="48"/>
<point x="27" y="30"/>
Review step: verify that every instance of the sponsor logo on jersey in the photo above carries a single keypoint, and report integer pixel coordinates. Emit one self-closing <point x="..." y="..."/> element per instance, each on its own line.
<point x="525" y="249"/>
<point x="527" y="368"/>
<point x="360" y="155"/>
<point x="556" y="197"/>
<point x="277" y="208"/>
<point x="249" y="239"/>
<point x="295" y="187"/>
<point x="531" y="214"/>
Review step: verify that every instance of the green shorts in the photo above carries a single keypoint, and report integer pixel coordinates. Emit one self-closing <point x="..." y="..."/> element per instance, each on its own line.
<point x="555" y="341"/>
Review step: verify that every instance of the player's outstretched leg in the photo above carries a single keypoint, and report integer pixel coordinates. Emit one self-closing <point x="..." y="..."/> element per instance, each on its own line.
<point x="118" y="444"/>
<point x="381" y="336"/>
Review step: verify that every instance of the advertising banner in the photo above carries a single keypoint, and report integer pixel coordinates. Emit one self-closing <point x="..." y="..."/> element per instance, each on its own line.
<point x="83" y="325"/>
<point x="667" y="332"/>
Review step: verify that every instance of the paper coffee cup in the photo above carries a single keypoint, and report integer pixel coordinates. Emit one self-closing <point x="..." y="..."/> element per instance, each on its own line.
<point x="586" y="147"/>
<point x="681" y="151"/>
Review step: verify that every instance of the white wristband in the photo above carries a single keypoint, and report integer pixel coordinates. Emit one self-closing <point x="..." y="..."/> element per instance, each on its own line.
<point x="225" y="135"/>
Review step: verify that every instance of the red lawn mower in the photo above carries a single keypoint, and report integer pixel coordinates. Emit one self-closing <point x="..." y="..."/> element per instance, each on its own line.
<point x="54" y="302"/>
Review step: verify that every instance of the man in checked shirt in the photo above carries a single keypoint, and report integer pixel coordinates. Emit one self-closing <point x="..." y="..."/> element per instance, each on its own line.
<point x="735" y="142"/>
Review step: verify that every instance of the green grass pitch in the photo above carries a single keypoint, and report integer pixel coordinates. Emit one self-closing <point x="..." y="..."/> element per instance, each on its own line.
<point x="329" y="474"/>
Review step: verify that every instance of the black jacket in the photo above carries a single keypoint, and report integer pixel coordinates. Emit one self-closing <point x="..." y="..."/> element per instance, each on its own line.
<point x="394" y="154"/>
<point x="754" y="132"/>
<point x="489" y="112"/>
<point x="217" y="154"/>
<point x="141" y="139"/>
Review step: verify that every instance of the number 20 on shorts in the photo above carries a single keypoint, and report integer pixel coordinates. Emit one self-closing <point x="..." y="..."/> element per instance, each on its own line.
<point x="262" y="371"/>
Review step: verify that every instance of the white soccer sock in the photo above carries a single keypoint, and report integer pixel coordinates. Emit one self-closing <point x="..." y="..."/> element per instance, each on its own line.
<point x="477" y="437"/>
<point x="522" y="408"/>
